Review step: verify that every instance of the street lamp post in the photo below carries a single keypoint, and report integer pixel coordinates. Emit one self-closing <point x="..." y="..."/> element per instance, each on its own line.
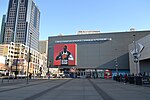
<point x="116" y="62"/>
<point x="29" y="55"/>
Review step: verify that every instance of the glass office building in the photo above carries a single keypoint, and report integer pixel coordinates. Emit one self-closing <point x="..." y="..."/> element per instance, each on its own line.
<point x="23" y="18"/>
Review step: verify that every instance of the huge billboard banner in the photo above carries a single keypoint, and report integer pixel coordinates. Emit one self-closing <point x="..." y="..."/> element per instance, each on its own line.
<point x="65" y="54"/>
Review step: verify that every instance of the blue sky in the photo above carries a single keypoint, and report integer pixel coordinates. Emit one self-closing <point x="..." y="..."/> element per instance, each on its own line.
<point x="69" y="16"/>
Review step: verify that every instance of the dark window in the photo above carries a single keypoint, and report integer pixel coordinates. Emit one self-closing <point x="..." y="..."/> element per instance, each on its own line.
<point x="22" y="1"/>
<point x="15" y="1"/>
<point x="35" y="17"/>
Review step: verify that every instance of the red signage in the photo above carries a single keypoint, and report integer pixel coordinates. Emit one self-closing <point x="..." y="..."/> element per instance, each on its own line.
<point x="65" y="54"/>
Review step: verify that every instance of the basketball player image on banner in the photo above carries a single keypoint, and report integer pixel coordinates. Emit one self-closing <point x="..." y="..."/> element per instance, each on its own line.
<point x="64" y="56"/>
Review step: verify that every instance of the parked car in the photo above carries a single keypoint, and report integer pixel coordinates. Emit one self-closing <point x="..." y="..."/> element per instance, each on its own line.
<point x="21" y="76"/>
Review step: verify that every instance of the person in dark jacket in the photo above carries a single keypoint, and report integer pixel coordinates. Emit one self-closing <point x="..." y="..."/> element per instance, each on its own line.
<point x="30" y="76"/>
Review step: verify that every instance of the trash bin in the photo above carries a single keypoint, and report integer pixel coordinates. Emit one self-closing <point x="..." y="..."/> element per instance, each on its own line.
<point x="131" y="79"/>
<point x="138" y="80"/>
<point x="145" y="81"/>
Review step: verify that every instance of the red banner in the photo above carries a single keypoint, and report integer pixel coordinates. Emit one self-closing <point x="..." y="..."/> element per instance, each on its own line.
<point x="65" y="54"/>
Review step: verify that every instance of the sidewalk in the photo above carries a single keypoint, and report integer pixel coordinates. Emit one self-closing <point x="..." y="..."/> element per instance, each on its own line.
<point x="121" y="91"/>
<point x="74" y="89"/>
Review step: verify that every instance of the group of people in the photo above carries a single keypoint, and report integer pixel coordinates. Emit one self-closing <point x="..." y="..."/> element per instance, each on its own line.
<point x="121" y="78"/>
<point x="129" y="77"/>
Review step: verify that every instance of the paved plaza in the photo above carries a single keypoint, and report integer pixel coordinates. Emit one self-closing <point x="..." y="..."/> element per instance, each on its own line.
<point x="72" y="89"/>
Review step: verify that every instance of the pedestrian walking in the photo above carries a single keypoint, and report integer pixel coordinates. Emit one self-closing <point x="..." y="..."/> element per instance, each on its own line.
<point x="48" y="76"/>
<point x="125" y="78"/>
<point x="30" y="76"/>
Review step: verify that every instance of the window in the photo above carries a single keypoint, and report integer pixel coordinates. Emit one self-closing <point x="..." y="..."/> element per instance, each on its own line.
<point x="15" y="1"/>
<point x="22" y="1"/>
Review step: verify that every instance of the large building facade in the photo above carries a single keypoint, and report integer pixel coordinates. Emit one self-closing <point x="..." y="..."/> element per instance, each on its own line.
<point x="23" y="18"/>
<point x="16" y="55"/>
<point x="43" y="46"/>
<point x="2" y="29"/>
<point x="93" y="51"/>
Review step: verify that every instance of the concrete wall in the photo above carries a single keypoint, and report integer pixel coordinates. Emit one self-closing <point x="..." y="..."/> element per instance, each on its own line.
<point x="43" y="46"/>
<point x="145" y="66"/>
<point x="100" y="54"/>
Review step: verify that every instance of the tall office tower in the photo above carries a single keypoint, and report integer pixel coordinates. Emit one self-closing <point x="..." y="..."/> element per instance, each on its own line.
<point x="23" y="19"/>
<point x="2" y="29"/>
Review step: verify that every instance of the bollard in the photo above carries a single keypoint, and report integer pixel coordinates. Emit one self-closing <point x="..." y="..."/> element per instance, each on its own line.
<point x="8" y="79"/>
<point x="2" y="80"/>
